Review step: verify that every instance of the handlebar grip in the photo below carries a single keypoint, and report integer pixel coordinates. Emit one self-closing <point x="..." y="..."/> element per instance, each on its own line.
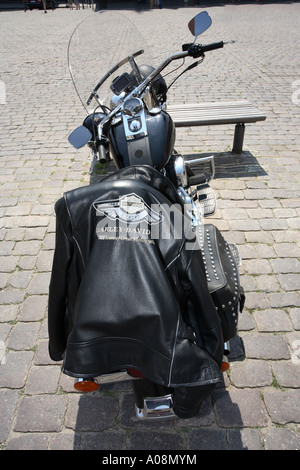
<point x="102" y="153"/>
<point x="197" y="50"/>
<point x="213" y="46"/>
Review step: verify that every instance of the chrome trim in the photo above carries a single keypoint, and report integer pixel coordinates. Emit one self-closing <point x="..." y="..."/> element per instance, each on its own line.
<point x="226" y="348"/>
<point x="156" y="408"/>
<point x="194" y="212"/>
<point x="210" y="159"/>
<point x="138" y="117"/>
<point x="117" y="99"/>
<point x="155" y="110"/>
<point x="80" y="379"/>
<point x="120" y="376"/>
<point x="180" y="170"/>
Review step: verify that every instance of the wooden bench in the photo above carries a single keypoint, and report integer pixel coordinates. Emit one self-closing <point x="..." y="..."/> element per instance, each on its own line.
<point x="207" y="114"/>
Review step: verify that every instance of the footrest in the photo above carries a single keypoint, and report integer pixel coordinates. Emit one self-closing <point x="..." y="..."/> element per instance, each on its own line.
<point x="156" y="408"/>
<point x="207" y="199"/>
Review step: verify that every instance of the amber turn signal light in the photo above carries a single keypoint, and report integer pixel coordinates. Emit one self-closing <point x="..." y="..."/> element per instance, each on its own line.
<point x="86" y="385"/>
<point x="225" y="364"/>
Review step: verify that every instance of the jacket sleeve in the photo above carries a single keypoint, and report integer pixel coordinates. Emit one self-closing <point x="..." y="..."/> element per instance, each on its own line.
<point x="200" y="309"/>
<point x="58" y="283"/>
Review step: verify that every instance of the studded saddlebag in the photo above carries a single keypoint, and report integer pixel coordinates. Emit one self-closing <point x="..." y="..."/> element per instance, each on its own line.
<point x="223" y="279"/>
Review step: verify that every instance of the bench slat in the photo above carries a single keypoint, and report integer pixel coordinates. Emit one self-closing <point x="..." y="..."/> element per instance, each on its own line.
<point x="202" y="114"/>
<point x="221" y="104"/>
<point x="205" y="114"/>
<point x="195" y="114"/>
<point x="180" y="122"/>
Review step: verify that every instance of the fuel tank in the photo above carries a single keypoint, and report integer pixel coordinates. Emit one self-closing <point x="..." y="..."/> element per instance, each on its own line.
<point x="149" y="143"/>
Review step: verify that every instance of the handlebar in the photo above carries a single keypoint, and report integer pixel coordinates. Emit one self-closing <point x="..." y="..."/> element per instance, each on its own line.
<point x="197" y="50"/>
<point x="193" y="50"/>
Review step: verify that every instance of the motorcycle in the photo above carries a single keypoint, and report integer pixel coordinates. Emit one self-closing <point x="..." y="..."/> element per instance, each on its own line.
<point x="130" y="125"/>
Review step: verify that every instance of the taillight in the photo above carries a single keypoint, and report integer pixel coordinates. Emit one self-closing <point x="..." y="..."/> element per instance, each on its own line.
<point x="86" y="385"/>
<point x="135" y="373"/>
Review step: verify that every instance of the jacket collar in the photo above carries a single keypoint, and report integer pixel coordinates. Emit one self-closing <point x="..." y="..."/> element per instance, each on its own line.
<point x="150" y="176"/>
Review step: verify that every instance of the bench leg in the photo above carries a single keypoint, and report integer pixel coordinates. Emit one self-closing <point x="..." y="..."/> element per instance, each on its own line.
<point x="238" y="138"/>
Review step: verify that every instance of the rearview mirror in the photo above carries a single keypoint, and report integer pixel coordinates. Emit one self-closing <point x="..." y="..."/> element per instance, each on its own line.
<point x="80" y="137"/>
<point x="200" y="23"/>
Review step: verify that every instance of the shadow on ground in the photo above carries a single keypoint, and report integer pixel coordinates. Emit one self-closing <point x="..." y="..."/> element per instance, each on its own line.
<point x="230" y="165"/>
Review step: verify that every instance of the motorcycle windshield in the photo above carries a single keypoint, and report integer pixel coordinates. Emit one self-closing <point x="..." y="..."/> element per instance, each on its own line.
<point x="99" y="51"/>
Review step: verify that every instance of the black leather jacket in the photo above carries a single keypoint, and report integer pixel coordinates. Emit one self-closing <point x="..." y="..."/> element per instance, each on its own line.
<point x="124" y="295"/>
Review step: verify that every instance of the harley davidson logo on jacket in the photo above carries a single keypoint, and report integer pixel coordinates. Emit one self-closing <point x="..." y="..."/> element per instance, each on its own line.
<point x="126" y="218"/>
<point x="129" y="208"/>
<point x="130" y="218"/>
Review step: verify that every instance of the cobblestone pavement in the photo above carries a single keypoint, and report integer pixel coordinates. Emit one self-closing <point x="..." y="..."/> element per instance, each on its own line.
<point x="258" y="192"/>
